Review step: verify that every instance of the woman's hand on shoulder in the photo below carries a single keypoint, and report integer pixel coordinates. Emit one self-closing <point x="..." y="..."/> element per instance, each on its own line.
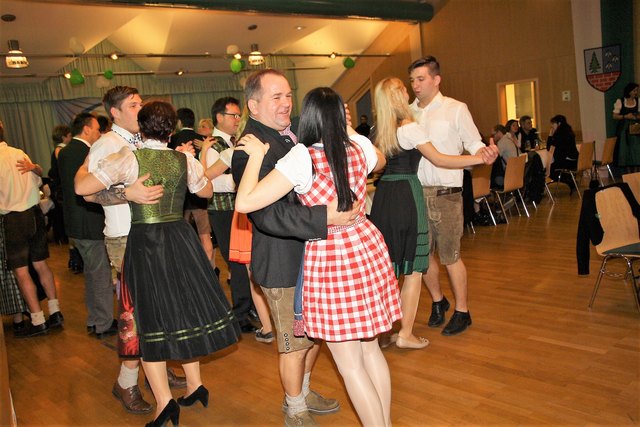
<point x="252" y="146"/>
<point x="187" y="148"/>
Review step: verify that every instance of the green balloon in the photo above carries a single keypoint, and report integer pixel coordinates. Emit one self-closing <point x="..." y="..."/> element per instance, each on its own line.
<point x="76" y="77"/>
<point x="244" y="63"/>
<point x="348" y="62"/>
<point x="108" y="74"/>
<point x="235" y="65"/>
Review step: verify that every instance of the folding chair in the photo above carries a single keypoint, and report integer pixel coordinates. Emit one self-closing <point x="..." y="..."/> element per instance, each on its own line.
<point x="633" y="180"/>
<point x="620" y="239"/>
<point x="547" y="171"/>
<point x="513" y="182"/>
<point x="607" y="157"/>
<point x="585" y="162"/>
<point x="481" y="182"/>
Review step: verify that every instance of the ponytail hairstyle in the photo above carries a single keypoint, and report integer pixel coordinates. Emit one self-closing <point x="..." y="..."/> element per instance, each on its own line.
<point x="323" y="120"/>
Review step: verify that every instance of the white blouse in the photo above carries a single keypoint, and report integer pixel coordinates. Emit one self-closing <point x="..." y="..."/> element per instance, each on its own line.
<point x="122" y="167"/>
<point x="296" y="164"/>
<point x="411" y="135"/>
<point x="617" y="106"/>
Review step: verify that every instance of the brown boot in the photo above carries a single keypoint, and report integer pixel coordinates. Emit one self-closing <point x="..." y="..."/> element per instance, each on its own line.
<point x="131" y="398"/>
<point x="174" y="380"/>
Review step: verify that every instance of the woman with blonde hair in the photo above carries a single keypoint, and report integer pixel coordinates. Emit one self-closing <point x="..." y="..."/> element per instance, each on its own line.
<point x="205" y="127"/>
<point x="405" y="231"/>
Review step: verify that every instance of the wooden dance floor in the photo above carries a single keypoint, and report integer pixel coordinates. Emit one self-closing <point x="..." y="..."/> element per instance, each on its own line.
<point x="535" y="355"/>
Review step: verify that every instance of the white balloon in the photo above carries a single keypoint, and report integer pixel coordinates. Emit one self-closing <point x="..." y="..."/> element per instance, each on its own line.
<point x="232" y="49"/>
<point x="76" y="46"/>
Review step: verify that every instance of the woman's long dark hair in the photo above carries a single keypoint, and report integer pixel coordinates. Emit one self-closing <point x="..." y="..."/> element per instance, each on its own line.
<point x="323" y="120"/>
<point x="564" y="129"/>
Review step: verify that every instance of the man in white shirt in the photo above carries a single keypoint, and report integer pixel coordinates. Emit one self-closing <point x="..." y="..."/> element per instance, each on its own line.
<point x="451" y="130"/>
<point x="26" y="236"/>
<point x="226" y="114"/>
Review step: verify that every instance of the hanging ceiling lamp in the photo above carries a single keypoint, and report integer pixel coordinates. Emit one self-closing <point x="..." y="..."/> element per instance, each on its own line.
<point x="15" y="57"/>
<point x="255" y="57"/>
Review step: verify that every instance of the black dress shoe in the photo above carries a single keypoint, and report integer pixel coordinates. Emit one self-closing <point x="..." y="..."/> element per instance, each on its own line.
<point x="438" y="309"/>
<point x="458" y="323"/>
<point x="200" y="395"/>
<point x="19" y="325"/>
<point x="113" y="329"/>
<point x="170" y="412"/>
<point x="246" y="327"/>
<point x="32" y="331"/>
<point x="56" y="320"/>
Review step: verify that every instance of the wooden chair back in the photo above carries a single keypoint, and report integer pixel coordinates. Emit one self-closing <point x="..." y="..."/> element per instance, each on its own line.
<point x="481" y="180"/>
<point x="607" y="151"/>
<point x="514" y="173"/>
<point x="633" y="179"/>
<point x="616" y="218"/>
<point x="585" y="157"/>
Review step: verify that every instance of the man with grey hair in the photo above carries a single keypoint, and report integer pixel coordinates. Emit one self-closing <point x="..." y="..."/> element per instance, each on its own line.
<point x="279" y="235"/>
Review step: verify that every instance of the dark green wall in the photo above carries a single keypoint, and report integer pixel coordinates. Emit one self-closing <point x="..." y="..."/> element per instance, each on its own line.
<point x="617" y="28"/>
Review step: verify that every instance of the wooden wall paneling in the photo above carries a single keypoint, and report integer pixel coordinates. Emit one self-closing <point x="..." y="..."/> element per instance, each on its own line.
<point x="486" y="42"/>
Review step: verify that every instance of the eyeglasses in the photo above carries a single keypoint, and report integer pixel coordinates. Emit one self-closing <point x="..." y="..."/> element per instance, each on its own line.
<point x="234" y="115"/>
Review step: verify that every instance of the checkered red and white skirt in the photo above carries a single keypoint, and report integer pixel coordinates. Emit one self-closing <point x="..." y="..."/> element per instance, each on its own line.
<point x="350" y="290"/>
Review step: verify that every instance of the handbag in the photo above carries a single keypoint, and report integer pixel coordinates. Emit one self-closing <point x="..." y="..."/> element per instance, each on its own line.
<point x="634" y="128"/>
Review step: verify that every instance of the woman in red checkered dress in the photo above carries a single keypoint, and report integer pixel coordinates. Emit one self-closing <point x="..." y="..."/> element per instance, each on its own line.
<point x="350" y="292"/>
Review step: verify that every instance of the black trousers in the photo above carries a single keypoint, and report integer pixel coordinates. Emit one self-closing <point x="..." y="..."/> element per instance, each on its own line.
<point x="240" y="286"/>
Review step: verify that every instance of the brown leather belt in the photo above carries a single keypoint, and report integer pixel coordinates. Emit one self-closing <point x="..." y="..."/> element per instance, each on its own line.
<point x="449" y="190"/>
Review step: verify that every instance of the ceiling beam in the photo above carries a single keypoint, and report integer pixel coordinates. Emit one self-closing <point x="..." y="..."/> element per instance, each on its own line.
<point x="397" y="10"/>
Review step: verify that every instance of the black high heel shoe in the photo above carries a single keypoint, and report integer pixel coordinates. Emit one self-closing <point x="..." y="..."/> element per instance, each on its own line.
<point x="171" y="411"/>
<point x="201" y="394"/>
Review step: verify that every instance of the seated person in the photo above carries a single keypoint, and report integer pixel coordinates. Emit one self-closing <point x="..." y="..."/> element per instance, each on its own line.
<point x="527" y="135"/>
<point x="507" y="148"/>
<point x="562" y="137"/>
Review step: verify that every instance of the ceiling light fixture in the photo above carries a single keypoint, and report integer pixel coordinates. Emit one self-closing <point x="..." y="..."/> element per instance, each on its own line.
<point x="179" y="72"/>
<point x="333" y="55"/>
<point x="255" y="57"/>
<point x="114" y="56"/>
<point x="15" y="58"/>
<point x="67" y="75"/>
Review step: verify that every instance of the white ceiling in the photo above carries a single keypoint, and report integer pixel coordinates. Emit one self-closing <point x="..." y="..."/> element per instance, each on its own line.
<point x="47" y="28"/>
